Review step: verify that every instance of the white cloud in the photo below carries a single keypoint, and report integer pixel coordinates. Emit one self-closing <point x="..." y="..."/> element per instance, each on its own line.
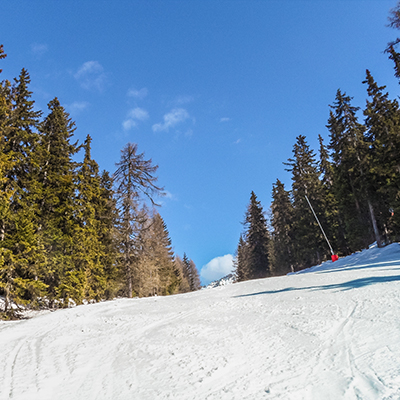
<point x="89" y="67"/>
<point x="134" y="115"/>
<point x="171" y="119"/>
<point x="129" y="124"/>
<point x="91" y="75"/>
<point x="38" y="49"/>
<point x="138" y="113"/>
<point x="217" y="268"/>
<point x="138" y="94"/>
<point x="224" y="119"/>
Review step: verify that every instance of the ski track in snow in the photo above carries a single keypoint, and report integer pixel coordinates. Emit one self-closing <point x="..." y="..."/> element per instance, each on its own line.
<point x="331" y="332"/>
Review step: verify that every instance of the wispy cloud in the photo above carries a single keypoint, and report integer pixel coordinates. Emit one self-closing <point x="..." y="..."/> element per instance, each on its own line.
<point x="181" y="100"/>
<point x="189" y="133"/>
<point x="38" y="49"/>
<point x="169" y="195"/>
<point x="133" y="117"/>
<point x="91" y="76"/>
<point x="77" y="107"/>
<point x="172" y="119"/>
<point x="138" y="94"/>
<point x="224" y="119"/>
<point x="217" y="268"/>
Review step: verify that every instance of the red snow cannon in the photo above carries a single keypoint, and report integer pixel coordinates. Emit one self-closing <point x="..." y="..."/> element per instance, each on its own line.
<point x="334" y="257"/>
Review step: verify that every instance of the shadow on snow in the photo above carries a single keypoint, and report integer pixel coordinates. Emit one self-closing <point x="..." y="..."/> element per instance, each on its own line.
<point x="354" y="284"/>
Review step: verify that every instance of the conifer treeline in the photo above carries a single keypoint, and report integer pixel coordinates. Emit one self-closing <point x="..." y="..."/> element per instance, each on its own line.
<point x="354" y="188"/>
<point x="69" y="233"/>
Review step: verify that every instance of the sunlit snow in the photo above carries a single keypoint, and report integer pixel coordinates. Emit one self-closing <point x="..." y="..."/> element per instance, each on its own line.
<point x="332" y="332"/>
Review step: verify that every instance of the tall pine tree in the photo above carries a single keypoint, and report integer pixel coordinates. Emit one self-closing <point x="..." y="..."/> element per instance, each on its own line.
<point x="382" y="120"/>
<point x="256" y="239"/>
<point x="22" y="257"/>
<point x="309" y="246"/>
<point x="349" y="160"/>
<point x="282" y="224"/>
<point x="57" y="217"/>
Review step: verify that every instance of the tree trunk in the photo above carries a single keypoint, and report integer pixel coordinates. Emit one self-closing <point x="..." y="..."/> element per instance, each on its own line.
<point x="374" y="224"/>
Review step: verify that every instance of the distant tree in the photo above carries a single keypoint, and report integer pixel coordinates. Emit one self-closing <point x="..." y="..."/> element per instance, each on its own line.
<point x="190" y="273"/>
<point x="240" y="261"/>
<point x="181" y="273"/>
<point x="195" y="278"/>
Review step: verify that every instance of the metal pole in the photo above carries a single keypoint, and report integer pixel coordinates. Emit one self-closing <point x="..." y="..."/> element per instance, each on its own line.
<point x="315" y="215"/>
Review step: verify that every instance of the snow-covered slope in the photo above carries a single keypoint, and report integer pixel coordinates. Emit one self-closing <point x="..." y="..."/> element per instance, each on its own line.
<point x="330" y="333"/>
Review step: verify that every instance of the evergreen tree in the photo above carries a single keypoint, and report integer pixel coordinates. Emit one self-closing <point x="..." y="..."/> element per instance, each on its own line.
<point x="6" y="164"/>
<point x="2" y="55"/>
<point x="394" y="22"/>
<point x="257" y="240"/>
<point x="89" y="249"/>
<point x="106" y="215"/>
<point x="331" y="218"/>
<point x="187" y="270"/>
<point x="349" y="158"/>
<point x="191" y="273"/>
<point x="57" y="217"/>
<point x="383" y="126"/>
<point x="195" y="278"/>
<point x="240" y="261"/>
<point x="181" y="273"/>
<point x="21" y="255"/>
<point x="282" y="224"/>
<point x="309" y="246"/>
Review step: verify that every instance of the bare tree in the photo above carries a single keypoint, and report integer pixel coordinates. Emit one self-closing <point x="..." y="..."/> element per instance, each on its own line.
<point x="135" y="181"/>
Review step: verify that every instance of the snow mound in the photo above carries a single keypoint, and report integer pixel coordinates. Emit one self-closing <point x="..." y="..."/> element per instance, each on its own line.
<point x="331" y="332"/>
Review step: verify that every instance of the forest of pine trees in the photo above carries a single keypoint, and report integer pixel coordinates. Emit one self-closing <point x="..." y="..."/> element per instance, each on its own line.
<point x="68" y="233"/>
<point x="353" y="187"/>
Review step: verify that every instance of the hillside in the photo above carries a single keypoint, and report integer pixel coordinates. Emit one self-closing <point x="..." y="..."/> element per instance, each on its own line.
<point x="331" y="332"/>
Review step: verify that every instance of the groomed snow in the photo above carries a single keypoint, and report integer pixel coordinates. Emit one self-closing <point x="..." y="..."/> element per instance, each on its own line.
<point x="332" y="332"/>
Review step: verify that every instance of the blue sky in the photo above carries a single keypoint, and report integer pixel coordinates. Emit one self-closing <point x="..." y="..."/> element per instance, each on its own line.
<point x="213" y="91"/>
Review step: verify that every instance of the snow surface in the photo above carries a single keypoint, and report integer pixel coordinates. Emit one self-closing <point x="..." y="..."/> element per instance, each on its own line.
<point x="332" y="332"/>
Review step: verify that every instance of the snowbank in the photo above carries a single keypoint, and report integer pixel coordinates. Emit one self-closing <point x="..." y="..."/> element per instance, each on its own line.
<point x="331" y="332"/>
